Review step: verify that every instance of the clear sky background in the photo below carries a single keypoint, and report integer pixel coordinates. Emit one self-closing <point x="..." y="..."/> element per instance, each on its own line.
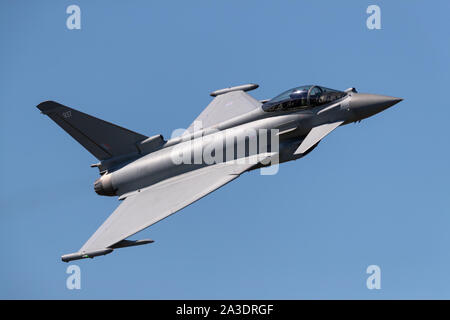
<point x="372" y="193"/>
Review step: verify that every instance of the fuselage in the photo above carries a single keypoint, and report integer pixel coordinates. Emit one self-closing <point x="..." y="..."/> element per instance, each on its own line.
<point x="279" y="131"/>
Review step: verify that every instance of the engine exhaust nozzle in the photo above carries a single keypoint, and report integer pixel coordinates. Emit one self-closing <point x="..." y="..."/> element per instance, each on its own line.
<point x="103" y="186"/>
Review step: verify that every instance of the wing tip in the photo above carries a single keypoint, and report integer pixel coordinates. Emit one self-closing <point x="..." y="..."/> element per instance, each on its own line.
<point x="84" y="255"/>
<point x="244" y="87"/>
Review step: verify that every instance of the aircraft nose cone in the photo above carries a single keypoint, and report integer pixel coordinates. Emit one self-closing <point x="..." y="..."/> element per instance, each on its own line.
<point x="387" y="101"/>
<point x="369" y="104"/>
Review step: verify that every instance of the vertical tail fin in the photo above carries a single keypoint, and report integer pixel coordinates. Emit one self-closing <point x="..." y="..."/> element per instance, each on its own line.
<point x="103" y="139"/>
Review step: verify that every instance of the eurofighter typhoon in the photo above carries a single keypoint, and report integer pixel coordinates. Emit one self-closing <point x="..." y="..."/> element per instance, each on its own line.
<point x="154" y="178"/>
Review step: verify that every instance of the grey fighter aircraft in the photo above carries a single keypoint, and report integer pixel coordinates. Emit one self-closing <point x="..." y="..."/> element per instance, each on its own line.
<point x="146" y="173"/>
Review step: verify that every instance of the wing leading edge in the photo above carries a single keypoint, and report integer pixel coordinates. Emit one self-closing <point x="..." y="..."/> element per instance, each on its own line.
<point x="224" y="107"/>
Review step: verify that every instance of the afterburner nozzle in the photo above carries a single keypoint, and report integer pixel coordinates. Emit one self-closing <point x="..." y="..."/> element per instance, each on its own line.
<point x="103" y="186"/>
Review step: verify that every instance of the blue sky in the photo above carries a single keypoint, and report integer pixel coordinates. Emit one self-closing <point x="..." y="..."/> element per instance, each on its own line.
<point x="372" y="193"/>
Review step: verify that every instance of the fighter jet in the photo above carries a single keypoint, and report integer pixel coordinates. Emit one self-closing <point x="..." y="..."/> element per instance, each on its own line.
<point x="154" y="178"/>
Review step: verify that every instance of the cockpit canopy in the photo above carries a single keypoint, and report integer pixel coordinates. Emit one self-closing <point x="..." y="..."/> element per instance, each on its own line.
<point x="303" y="97"/>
